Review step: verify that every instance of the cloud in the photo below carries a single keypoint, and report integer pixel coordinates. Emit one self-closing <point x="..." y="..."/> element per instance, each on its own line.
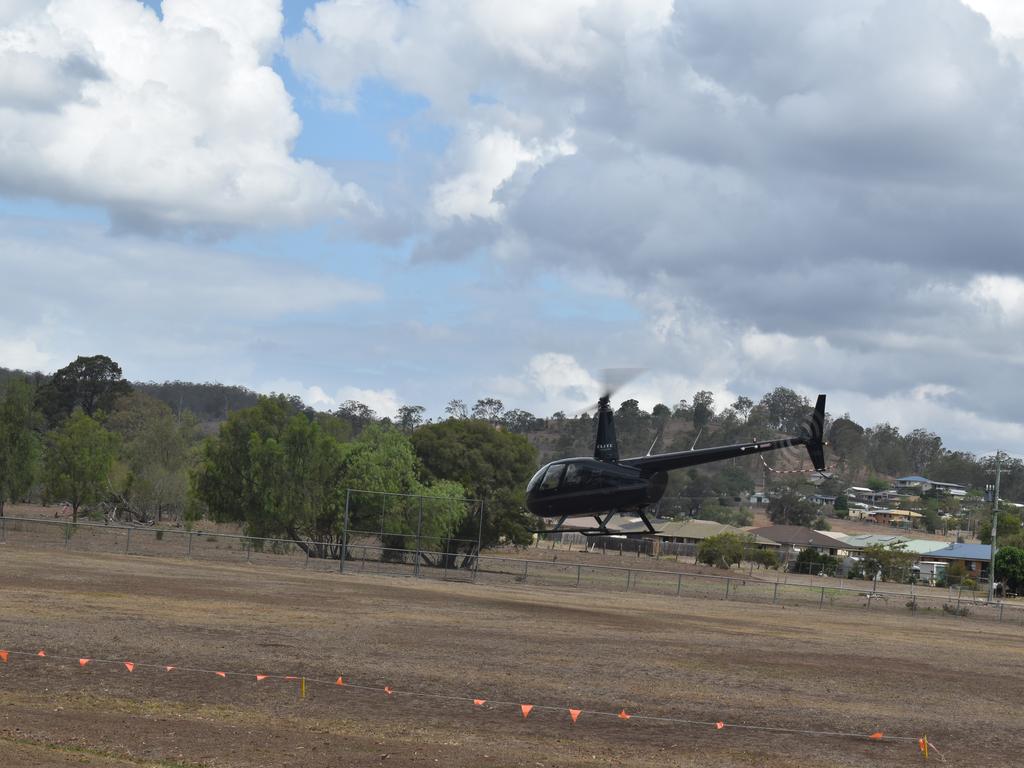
<point x="176" y="310"/>
<point x="818" y="194"/>
<point x="172" y="124"/>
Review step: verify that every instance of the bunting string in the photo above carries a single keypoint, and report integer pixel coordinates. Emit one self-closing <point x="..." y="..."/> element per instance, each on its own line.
<point x="343" y="682"/>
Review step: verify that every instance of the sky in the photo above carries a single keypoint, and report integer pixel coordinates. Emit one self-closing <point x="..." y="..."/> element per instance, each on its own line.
<point x="405" y="203"/>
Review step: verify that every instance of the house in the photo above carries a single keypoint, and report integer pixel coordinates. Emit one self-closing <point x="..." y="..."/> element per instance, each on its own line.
<point x="822" y="500"/>
<point x="759" y="498"/>
<point x="975" y="557"/>
<point x="895" y="517"/>
<point x="796" y="538"/>
<point x="695" y="531"/>
<point x="923" y="485"/>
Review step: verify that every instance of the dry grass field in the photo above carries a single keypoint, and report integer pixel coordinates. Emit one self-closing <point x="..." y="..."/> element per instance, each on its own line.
<point x="693" y="659"/>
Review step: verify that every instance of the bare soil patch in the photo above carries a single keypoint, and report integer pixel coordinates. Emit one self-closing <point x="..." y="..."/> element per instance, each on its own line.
<point x="684" y="658"/>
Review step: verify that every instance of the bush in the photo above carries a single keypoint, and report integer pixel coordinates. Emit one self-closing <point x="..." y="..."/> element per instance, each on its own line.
<point x="764" y="557"/>
<point x="721" y="551"/>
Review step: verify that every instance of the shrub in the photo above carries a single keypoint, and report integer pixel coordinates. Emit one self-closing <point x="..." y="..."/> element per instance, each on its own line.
<point x="722" y="551"/>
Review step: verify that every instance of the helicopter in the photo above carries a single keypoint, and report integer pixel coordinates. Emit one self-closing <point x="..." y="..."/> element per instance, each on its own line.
<point x="603" y="485"/>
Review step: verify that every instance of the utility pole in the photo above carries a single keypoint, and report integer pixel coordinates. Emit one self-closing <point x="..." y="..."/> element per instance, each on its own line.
<point x="995" y="522"/>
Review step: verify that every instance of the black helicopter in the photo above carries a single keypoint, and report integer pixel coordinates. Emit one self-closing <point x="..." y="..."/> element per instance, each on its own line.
<point x="604" y="485"/>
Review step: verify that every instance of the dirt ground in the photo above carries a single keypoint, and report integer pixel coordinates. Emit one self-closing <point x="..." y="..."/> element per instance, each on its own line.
<point x="686" y="659"/>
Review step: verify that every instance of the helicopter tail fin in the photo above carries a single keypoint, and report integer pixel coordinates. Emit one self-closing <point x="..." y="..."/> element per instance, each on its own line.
<point x="814" y="434"/>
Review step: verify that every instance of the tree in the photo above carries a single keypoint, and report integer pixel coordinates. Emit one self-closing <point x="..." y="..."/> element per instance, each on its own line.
<point x="1010" y="568"/>
<point x="742" y="406"/>
<point x="491" y="465"/>
<point x="90" y="383"/>
<point x="359" y="415"/>
<point x="785" y="409"/>
<point x="893" y="560"/>
<point x="520" y="422"/>
<point x="922" y="448"/>
<point x="157" y="448"/>
<point x="703" y="408"/>
<point x="842" y="506"/>
<point x="722" y="550"/>
<point x="19" y="444"/>
<point x="79" y="455"/>
<point x="1009" y="524"/>
<point x="456" y="409"/>
<point x="788" y="508"/>
<point x="410" y="417"/>
<point x="877" y="484"/>
<point x="488" y="409"/>
<point x="277" y="473"/>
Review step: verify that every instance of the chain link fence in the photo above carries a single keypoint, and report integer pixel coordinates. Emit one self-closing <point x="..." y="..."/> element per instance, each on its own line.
<point x="443" y="558"/>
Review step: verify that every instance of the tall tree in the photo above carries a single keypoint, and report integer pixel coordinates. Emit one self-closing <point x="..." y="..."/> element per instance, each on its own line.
<point x="490" y="464"/>
<point x="276" y="472"/>
<point x="788" y="508"/>
<point x="19" y="444"/>
<point x="359" y="415"/>
<point x="703" y="408"/>
<point x="90" y="383"/>
<point x="410" y="417"/>
<point x="157" y="448"/>
<point x="79" y="455"/>
<point x="488" y="409"/>
<point x="785" y="409"/>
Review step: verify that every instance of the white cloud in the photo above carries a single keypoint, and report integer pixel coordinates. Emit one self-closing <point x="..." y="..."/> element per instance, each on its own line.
<point x="385" y="402"/>
<point x="23" y="353"/>
<point x="179" y="123"/>
<point x="1002" y="293"/>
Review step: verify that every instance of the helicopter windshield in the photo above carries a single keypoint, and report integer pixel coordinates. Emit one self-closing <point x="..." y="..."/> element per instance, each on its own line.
<point x="552" y="477"/>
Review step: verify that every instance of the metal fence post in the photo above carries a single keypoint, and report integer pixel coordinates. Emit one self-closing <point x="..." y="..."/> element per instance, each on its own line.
<point x="579" y="573"/>
<point x="1000" y="612"/>
<point x="3" y="530"/>
<point x="479" y="540"/>
<point x="248" y="550"/>
<point x="728" y="583"/>
<point x="775" y="592"/>
<point x="344" y="534"/>
<point x="128" y="541"/>
<point x="67" y="536"/>
<point x="629" y="574"/>
<point x="419" y="531"/>
<point x="679" y="584"/>
<point x="188" y="552"/>
<point x="526" y="569"/>
<point x="821" y="601"/>
<point x="306" y="550"/>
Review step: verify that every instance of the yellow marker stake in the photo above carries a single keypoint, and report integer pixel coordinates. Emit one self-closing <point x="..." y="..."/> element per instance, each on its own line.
<point x="302" y="688"/>
<point x="926" y="747"/>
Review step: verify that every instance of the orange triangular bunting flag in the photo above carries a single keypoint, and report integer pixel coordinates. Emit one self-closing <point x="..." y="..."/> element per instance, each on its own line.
<point x="479" y="702"/>
<point x="719" y="725"/>
<point x="3" y="656"/>
<point x="877" y="736"/>
<point x="526" y="709"/>
<point x="920" y="744"/>
<point x="221" y="674"/>
<point x="339" y="681"/>
<point x="623" y="715"/>
<point x="168" y="668"/>
<point x="83" y="662"/>
<point x="261" y="677"/>
<point x="574" y="714"/>
<point x="388" y="690"/>
<point x="41" y="653"/>
<point x="129" y="665"/>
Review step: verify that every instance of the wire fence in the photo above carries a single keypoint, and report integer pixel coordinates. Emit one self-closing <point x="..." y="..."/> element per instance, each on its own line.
<point x="370" y="553"/>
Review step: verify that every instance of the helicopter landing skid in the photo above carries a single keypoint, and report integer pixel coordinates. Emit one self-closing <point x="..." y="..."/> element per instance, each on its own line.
<point x="602" y="525"/>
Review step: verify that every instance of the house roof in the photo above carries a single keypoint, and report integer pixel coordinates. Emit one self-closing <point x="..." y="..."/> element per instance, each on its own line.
<point x="912" y="479"/>
<point x="702" y="529"/>
<point x="798" y="535"/>
<point x="896" y="513"/>
<point x="962" y="552"/>
<point x="917" y="546"/>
